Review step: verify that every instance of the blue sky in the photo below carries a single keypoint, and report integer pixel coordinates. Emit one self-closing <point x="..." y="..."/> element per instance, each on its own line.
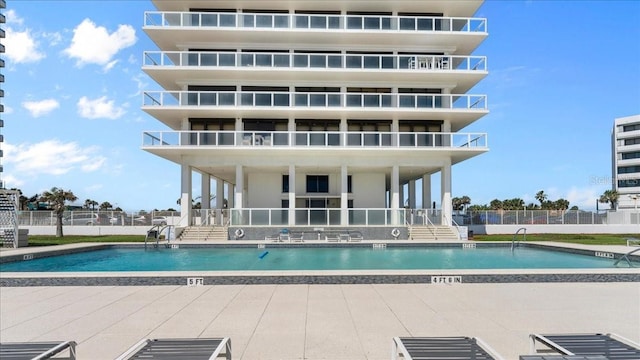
<point x="559" y="73"/>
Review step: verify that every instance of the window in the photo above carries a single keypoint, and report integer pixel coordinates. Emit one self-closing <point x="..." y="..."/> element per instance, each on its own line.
<point x="317" y="183"/>
<point x="631" y="155"/>
<point x="632" y="141"/>
<point x="349" y="186"/>
<point x="628" y="169"/>
<point x="628" y="183"/>
<point x="633" y="127"/>
<point x="285" y="183"/>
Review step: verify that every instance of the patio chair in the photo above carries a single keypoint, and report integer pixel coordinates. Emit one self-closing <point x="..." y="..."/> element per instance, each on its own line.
<point x="37" y="350"/>
<point x="611" y="346"/>
<point x="441" y="348"/>
<point x="192" y="349"/>
<point x="561" y="357"/>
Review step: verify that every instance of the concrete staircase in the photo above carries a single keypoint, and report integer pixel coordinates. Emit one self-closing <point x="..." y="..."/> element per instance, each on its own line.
<point x="204" y="233"/>
<point x="429" y="232"/>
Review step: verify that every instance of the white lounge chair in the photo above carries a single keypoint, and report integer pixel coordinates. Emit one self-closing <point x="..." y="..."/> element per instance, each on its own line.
<point x="176" y="349"/>
<point x="37" y="350"/>
<point x="441" y="348"/>
<point x="611" y="346"/>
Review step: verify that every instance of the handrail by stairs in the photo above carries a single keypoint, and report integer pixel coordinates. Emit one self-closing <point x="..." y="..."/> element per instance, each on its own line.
<point x="456" y="225"/>
<point x="428" y="221"/>
<point x="626" y="257"/>
<point x="524" y="238"/>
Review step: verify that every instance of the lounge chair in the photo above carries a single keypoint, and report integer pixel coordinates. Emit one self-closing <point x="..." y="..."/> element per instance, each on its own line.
<point x="37" y="350"/>
<point x="561" y="357"/>
<point x="441" y="348"/>
<point x="611" y="346"/>
<point x="193" y="349"/>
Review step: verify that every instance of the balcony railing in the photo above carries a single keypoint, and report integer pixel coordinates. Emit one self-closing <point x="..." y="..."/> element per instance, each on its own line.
<point x="314" y="61"/>
<point x="314" y="99"/>
<point x="317" y="217"/>
<point x="314" y="21"/>
<point x="283" y="139"/>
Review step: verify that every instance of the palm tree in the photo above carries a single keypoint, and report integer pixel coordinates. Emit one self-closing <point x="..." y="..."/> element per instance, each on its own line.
<point x="90" y="204"/>
<point x="106" y="206"/>
<point x="541" y="196"/>
<point x="56" y="198"/>
<point x="611" y="197"/>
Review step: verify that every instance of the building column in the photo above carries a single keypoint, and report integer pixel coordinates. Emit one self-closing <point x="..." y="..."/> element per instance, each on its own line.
<point x="412" y="194"/>
<point x="292" y="195"/>
<point x="395" y="127"/>
<point x="220" y="196"/>
<point x="230" y="196"/>
<point x="395" y="194"/>
<point x="205" y="199"/>
<point x="185" y="195"/>
<point x="238" y="200"/>
<point x="445" y="178"/>
<point x="239" y="131"/>
<point x="426" y="191"/>
<point x="344" y="196"/>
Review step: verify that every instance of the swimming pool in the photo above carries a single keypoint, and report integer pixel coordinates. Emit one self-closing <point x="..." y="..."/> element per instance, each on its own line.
<point x="118" y="259"/>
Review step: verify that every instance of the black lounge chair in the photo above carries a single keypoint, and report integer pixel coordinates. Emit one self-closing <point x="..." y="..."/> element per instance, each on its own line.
<point x="441" y="348"/>
<point x="192" y="349"/>
<point x="561" y="357"/>
<point x="611" y="346"/>
<point x="37" y="350"/>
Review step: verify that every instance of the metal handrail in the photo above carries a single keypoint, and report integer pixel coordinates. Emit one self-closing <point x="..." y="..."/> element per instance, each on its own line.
<point x="334" y="139"/>
<point x="513" y="241"/>
<point x="331" y="22"/>
<point x="346" y="61"/>
<point x="626" y="257"/>
<point x="327" y="100"/>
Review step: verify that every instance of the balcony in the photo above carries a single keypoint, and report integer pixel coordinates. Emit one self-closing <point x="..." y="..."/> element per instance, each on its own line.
<point x="314" y="29"/>
<point x="303" y="139"/>
<point x="465" y="71"/>
<point x="171" y="106"/>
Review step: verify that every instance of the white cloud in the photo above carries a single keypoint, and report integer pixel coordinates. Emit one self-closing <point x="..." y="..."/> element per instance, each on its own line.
<point x="21" y="47"/>
<point x="53" y="38"/>
<point x="51" y="157"/>
<point x="42" y="107"/>
<point x="99" y="108"/>
<point x="93" y="44"/>
<point x="11" y="181"/>
<point x="13" y="18"/>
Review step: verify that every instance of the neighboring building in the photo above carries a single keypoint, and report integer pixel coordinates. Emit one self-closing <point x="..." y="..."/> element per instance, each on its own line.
<point x="316" y="113"/>
<point x="626" y="161"/>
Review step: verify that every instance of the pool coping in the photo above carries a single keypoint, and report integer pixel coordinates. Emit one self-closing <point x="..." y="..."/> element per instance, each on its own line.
<point x="199" y="278"/>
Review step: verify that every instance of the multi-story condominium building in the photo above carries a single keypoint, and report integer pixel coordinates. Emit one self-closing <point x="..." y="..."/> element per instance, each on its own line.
<point x="625" y="141"/>
<point x="316" y="114"/>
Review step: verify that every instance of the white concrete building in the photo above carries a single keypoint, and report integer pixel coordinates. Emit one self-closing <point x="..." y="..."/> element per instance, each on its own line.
<point x="626" y="161"/>
<point x="315" y="113"/>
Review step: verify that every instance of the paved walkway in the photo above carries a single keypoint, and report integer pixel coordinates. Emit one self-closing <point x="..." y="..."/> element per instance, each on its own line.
<point x="312" y="322"/>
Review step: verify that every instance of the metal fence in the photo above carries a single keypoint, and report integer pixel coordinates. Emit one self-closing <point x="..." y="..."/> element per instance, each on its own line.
<point x="310" y="217"/>
<point x="98" y="218"/>
<point x="532" y="217"/>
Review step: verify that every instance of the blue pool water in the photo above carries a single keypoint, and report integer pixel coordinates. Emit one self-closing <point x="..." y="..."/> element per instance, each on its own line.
<point x="127" y="259"/>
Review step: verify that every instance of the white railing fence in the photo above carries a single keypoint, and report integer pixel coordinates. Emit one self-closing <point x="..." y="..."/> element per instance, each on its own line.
<point x="324" y="217"/>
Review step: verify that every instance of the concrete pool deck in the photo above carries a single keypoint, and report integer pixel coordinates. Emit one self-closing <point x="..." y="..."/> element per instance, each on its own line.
<point x="315" y="322"/>
<point x="312" y="321"/>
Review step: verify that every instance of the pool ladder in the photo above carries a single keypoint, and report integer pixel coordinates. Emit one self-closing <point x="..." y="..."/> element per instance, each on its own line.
<point x="626" y="258"/>
<point x="524" y="238"/>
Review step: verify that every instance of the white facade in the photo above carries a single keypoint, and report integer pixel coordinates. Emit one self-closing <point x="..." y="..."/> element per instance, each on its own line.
<point x="316" y="112"/>
<point x="626" y="161"/>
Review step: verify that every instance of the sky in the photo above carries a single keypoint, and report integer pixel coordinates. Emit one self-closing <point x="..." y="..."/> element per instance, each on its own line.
<point x="560" y="72"/>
